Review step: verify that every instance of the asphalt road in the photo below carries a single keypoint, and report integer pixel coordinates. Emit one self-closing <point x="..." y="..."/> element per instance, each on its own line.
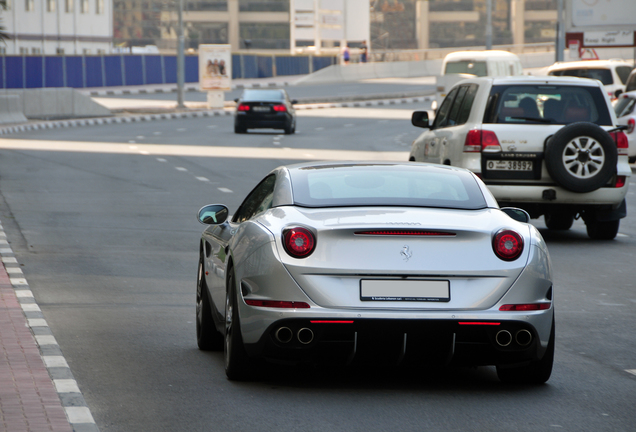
<point x="104" y="226"/>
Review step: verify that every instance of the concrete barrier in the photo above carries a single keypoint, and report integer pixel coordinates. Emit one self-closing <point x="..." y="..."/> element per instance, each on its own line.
<point x="11" y="109"/>
<point x="58" y="103"/>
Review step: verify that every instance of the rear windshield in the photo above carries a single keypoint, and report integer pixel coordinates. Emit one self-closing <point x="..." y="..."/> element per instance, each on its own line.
<point x="549" y="104"/>
<point x="385" y="185"/>
<point x="466" y="67"/>
<point x="631" y="83"/>
<point x="624" y="106"/>
<point x="623" y="72"/>
<point x="603" y="75"/>
<point x="263" y="95"/>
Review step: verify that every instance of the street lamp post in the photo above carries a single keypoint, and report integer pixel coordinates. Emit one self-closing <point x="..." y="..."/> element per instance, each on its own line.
<point x="180" y="59"/>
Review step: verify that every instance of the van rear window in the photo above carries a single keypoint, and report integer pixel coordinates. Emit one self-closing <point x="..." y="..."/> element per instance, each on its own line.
<point x="467" y="67"/>
<point x="554" y="104"/>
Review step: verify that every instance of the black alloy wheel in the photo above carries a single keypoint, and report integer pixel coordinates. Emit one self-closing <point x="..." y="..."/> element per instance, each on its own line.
<point x="236" y="359"/>
<point x="208" y="338"/>
<point x="581" y="157"/>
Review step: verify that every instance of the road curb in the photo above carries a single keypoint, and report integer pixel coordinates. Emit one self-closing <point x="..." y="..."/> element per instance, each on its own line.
<point x="33" y="126"/>
<point x="187" y="88"/>
<point x="77" y="412"/>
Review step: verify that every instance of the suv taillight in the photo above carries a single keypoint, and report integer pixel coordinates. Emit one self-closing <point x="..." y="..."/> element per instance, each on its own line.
<point x="622" y="145"/>
<point x="631" y="123"/>
<point x="481" y="141"/>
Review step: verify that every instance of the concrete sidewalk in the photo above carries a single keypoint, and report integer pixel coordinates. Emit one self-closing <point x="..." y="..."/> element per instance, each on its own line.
<point x="37" y="389"/>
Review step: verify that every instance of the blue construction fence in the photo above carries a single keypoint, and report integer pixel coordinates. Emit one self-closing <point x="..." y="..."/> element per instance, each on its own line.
<point x="139" y="69"/>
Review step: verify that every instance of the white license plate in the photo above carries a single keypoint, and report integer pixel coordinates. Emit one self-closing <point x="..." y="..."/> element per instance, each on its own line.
<point x="404" y="290"/>
<point x="508" y="165"/>
<point x="260" y="109"/>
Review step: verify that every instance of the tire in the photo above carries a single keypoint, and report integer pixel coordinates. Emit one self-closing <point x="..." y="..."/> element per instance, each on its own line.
<point x="559" y="221"/>
<point x="239" y="130"/>
<point x="291" y="129"/>
<point x="537" y="372"/>
<point x="208" y="337"/>
<point x="602" y="230"/>
<point x="581" y="157"/>
<point x="632" y="159"/>
<point x="236" y="359"/>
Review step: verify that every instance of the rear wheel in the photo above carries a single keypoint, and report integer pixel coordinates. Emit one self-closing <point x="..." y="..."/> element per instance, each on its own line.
<point x="236" y="359"/>
<point x="602" y="230"/>
<point x="208" y="338"/>
<point x="291" y="128"/>
<point x="537" y="372"/>
<point x="559" y="220"/>
<point x="239" y="130"/>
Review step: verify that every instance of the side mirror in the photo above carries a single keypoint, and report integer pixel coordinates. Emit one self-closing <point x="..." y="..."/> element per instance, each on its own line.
<point x="213" y="214"/>
<point x="236" y="100"/>
<point x="420" y="119"/>
<point x="294" y="101"/>
<point x="618" y="92"/>
<point x="517" y="214"/>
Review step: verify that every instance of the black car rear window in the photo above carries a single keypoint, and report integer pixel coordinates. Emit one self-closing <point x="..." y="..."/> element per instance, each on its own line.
<point x="262" y="95"/>
<point x="546" y="104"/>
<point x="601" y="74"/>
<point x="624" y="106"/>
<point x="342" y="185"/>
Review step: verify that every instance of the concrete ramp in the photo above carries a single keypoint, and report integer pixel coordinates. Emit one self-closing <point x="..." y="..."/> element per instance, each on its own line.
<point x="58" y="103"/>
<point x="11" y="109"/>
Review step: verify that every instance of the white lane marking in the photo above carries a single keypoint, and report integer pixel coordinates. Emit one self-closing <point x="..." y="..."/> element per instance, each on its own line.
<point x="157" y="133"/>
<point x="211" y="127"/>
<point x="181" y="130"/>
<point x="199" y="151"/>
<point x="180" y="168"/>
<point x="225" y="190"/>
<point x="132" y="142"/>
<point x="349" y="125"/>
<point x="362" y="113"/>
<point x="631" y="371"/>
<point x="203" y="179"/>
<point x="140" y="137"/>
<point x="276" y="143"/>
<point x="161" y="160"/>
<point x="66" y="386"/>
<point x="319" y="128"/>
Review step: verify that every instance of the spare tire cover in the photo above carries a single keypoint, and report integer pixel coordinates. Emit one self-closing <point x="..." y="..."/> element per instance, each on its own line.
<point x="581" y="157"/>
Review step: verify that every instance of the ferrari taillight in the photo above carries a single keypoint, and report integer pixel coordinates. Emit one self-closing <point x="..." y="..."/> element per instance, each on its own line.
<point x="507" y="245"/>
<point x="299" y="242"/>
<point x="243" y="107"/>
<point x="279" y="108"/>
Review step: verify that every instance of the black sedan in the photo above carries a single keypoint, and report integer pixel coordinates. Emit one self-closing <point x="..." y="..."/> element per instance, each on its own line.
<point x="264" y="109"/>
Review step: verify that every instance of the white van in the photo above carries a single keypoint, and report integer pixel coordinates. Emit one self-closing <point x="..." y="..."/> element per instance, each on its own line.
<point x="461" y="65"/>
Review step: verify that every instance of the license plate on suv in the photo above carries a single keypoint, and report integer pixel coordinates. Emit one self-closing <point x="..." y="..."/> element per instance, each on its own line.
<point x="507" y="165"/>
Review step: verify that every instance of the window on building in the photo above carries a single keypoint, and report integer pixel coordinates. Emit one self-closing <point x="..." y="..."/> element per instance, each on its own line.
<point x="50" y="5"/>
<point x="3" y="50"/>
<point x="84" y="6"/>
<point x="101" y="51"/>
<point x="86" y="51"/>
<point x="69" y="4"/>
<point x="28" y="5"/>
<point x="59" y="51"/>
<point x="24" y="50"/>
<point x="36" y="51"/>
<point x="99" y="6"/>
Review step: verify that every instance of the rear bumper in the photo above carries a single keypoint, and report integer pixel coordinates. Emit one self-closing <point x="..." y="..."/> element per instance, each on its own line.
<point x="269" y="122"/>
<point x="536" y="194"/>
<point x="400" y="341"/>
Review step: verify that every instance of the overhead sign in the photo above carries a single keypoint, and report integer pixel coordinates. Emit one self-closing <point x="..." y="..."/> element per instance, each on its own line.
<point x="619" y="38"/>
<point x="602" y="13"/>
<point x="215" y="67"/>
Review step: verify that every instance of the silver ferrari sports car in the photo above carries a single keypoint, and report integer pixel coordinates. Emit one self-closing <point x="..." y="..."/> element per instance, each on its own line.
<point x="375" y="262"/>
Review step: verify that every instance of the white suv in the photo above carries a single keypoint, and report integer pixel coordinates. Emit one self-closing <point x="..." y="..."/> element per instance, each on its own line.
<point x="548" y="145"/>
<point x="612" y="73"/>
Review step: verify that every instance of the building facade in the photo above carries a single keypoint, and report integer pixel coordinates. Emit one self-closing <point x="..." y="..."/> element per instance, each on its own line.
<point x="64" y="27"/>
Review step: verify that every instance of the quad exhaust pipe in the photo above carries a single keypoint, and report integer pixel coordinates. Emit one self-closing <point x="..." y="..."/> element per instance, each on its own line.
<point x="522" y="337"/>
<point x="285" y="335"/>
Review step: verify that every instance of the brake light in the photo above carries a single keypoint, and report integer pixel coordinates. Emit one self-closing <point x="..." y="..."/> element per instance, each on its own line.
<point x="525" y="307"/>
<point x="481" y="141"/>
<point x="243" y="107"/>
<point x="279" y="108"/>
<point x="405" y="232"/>
<point x="620" y="181"/>
<point x="507" y="245"/>
<point x="631" y="123"/>
<point x="299" y="242"/>
<point x="277" y="304"/>
<point x="622" y="145"/>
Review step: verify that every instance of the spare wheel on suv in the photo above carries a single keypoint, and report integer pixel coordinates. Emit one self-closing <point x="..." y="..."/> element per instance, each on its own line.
<point x="581" y="157"/>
